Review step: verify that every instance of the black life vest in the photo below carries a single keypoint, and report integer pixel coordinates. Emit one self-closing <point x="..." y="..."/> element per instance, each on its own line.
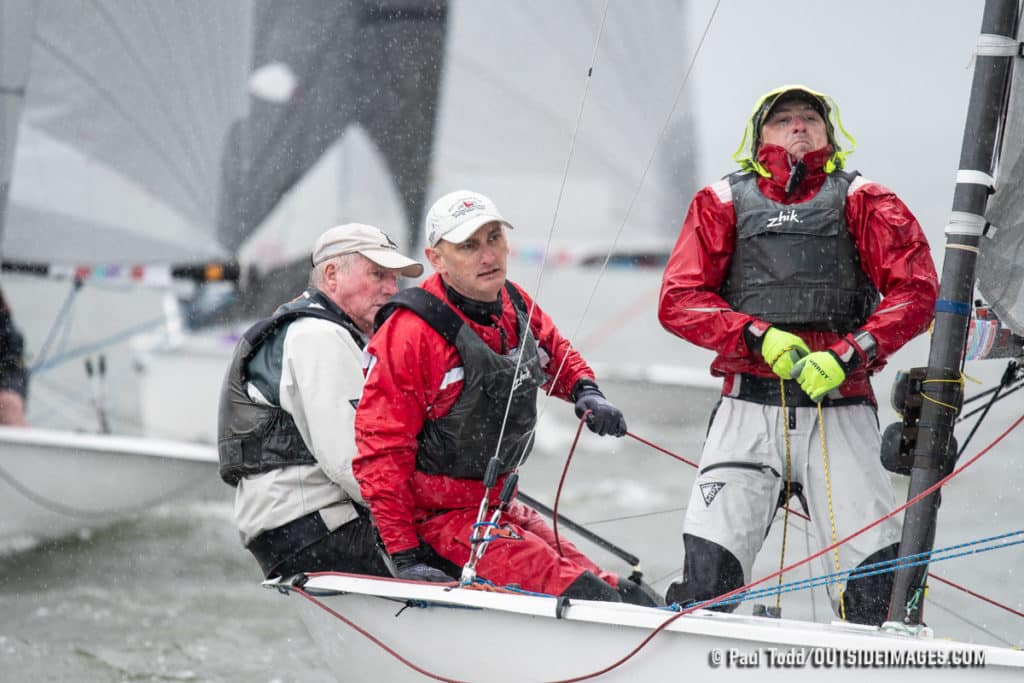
<point x="795" y="265"/>
<point x="254" y="438"/>
<point x="460" y="443"/>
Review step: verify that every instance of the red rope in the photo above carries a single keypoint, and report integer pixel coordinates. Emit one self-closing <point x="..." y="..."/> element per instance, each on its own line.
<point x="695" y="466"/>
<point x="807" y="518"/>
<point x="372" y="638"/>
<point x="663" y="450"/>
<point x="927" y="492"/>
<point x="976" y="595"/>
<point x="558" y="491"/>
<point x="643" y="643"/>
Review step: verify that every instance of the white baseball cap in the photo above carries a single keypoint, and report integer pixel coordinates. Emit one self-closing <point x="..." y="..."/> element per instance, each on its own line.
<point x="457" y="215"/>
<point x="371" y="242"/>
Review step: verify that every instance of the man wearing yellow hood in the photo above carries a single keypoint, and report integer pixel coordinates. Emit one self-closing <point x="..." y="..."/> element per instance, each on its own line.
<point x="804" y="278"/>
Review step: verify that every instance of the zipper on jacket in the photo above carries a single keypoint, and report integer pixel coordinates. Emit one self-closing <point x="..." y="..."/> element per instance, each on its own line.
<point x="741" y="466"/>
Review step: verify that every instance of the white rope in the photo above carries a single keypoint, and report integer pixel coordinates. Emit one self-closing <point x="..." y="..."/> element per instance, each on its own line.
<point x="964" y="247"/>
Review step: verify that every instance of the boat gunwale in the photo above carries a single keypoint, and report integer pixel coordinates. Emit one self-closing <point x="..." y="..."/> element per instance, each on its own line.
<point x="795" y="633"/>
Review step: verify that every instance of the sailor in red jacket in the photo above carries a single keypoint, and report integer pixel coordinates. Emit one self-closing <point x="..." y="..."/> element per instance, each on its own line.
<point x="804" y="278"/>
<point x="440" y="371"/>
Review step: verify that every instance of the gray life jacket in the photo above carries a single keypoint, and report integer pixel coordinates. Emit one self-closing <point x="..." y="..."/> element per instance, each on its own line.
<point x="460" y="443"/>
<point x="254" y="438"/>
<point x="795" y="265"/>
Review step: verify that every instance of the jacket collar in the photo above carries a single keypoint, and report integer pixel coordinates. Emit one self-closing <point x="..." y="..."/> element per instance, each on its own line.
<point x="779" y="163"/>
<point x="315" y="296"/>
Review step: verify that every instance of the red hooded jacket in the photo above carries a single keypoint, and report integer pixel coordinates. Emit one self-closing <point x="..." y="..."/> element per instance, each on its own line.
<point x="414" y="375"/>
<point x="894" y="254"/>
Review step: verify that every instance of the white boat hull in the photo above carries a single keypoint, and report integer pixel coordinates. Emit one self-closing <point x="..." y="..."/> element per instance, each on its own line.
<point x="468" y="635"/>
<point x="56" y="483"/>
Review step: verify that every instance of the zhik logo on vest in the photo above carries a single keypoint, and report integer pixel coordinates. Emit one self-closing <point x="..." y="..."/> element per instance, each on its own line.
<point x="784" y="217"/>
<point x="709" y="490"/>
<point x="522" y="376"/>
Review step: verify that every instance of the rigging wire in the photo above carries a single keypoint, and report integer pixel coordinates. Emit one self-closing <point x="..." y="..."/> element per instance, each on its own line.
<point x="478" y="541"/>
<point x="976" y="595"/>
<point x="61" y="320"/>
<point x="958" y="616"/>
<point x="551" y="232"/>
<point x="636" y="193"/>
<point x="623" y="518"/>
<point x="883" y="567"/>
<point x="87" y="349"/>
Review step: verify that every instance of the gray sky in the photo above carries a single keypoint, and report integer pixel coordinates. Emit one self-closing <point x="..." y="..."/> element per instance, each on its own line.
<point x="900" y="71"/>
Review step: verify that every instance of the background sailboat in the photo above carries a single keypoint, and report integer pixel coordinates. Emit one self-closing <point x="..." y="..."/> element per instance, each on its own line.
<point x="54" y="482"/>
<point x="165" y="147"/>
<point x="355" y="121"/>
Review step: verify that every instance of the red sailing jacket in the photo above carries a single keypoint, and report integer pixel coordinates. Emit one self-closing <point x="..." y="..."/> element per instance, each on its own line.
<point x="414" y="375"/>
<point x="893" y="250"/>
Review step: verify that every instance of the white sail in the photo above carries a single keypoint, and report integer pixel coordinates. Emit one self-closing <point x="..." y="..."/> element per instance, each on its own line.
<point x="16" y="24"/>
<point x="1001" y="261"/>
<point x="125" y="114"/>
<point x="180" y="132"/>
<point x="247" y="126"/>
<point x="507" y="129"/>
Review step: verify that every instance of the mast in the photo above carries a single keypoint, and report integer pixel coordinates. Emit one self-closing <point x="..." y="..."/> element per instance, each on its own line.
<point x="934" y="453"/>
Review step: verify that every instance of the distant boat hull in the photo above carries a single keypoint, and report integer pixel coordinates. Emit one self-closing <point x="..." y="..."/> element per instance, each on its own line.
<point x="57" y="483"/>
<point x="466" y="635"/>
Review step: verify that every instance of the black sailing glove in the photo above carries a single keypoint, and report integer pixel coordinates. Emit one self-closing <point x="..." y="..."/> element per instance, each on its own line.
<point x="409" y="565"/>
<point x="604" y="418"/>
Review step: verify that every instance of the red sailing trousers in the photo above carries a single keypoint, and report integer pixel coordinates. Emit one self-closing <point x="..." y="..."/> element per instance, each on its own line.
<point x="531" y="560"/>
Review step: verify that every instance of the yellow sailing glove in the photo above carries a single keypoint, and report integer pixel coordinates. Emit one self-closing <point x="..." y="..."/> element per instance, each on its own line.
<point x="781" y="350"/>
<point x="819" y="373"/>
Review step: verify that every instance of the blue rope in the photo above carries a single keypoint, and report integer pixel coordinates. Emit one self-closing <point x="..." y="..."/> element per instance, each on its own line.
<point x="42" y="366"/>
<point x="59" y="323"/>
<point x="878" y="568"/>
<point x="513" y="588"/>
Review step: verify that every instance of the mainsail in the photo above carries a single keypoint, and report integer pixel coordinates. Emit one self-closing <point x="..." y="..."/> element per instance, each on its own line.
<point x="151" y="135"/>
<point x="125" y="113"/>
<point x="1001" y="261"/>
<point x="190" y="131"/>
<point x="16" y="21"/>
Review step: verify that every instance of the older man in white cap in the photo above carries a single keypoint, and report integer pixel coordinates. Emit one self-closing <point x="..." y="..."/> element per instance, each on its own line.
<point x="287" y="407"/>
<point x="450" y="394"/>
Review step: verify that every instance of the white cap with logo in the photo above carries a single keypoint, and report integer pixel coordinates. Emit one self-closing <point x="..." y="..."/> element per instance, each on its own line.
<point x="457" y="215"/>
<point x="371" y="242"/>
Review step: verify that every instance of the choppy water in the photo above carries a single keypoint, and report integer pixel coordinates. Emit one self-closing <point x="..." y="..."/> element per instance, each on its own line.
<point x="171" y="596"/>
